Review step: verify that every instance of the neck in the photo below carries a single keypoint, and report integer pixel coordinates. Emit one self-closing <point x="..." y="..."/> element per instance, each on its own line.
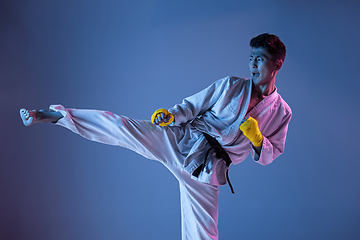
<point x="263" y="90"/>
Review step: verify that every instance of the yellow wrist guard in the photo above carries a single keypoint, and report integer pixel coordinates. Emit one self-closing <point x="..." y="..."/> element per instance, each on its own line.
<point x="158" y="113"/>
<point x="251" y="130"/>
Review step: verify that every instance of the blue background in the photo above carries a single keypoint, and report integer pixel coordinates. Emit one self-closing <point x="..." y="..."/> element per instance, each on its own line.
<point x="133" y="57"/>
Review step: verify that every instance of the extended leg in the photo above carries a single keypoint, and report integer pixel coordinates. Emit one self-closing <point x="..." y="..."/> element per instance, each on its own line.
<point x="143" y="137"/>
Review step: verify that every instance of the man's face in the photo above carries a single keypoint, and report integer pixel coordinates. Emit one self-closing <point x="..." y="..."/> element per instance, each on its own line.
<point x="263" y="68"/>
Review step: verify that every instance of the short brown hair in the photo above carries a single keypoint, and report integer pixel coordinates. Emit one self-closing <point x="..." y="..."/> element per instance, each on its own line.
<point x="271" y="43"/>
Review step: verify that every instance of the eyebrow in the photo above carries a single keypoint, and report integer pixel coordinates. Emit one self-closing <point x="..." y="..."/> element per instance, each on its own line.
<point x="261" y="55"/>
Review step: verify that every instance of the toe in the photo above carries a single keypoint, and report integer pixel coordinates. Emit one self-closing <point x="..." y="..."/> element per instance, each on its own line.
<point x="28" y="121"/>
<point x="23" y="113"/>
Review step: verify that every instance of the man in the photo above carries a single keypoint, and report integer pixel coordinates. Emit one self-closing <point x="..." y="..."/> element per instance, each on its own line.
<point x="198" y="139"/>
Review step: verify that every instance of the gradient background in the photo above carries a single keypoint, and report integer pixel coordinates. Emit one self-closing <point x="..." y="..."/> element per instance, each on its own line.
<point x="133" y="57"/>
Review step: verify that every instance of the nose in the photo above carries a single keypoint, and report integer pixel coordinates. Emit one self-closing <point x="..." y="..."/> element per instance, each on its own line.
<point x="253" y="64"/>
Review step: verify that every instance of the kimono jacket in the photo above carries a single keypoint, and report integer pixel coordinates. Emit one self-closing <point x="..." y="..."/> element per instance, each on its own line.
<point x="218" y="111"/>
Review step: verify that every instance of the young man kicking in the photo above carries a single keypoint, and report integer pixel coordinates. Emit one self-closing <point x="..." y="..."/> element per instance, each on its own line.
<point x="200" y="138"/>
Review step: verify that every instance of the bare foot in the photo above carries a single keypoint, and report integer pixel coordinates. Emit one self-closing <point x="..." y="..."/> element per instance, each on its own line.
<point x="30" y="117"/>
<point x="27" y="116"/>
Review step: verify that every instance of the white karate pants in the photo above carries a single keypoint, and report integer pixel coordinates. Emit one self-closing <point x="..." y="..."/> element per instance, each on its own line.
<point x="169" y="145"/>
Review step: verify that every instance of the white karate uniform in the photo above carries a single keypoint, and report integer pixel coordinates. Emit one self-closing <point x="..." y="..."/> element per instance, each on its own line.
<point x="218" y="111"/>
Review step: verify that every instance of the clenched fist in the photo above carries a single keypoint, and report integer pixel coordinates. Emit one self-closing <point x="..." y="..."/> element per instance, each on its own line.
<point x="162" y="117"/>
<point x="251" y="131"/>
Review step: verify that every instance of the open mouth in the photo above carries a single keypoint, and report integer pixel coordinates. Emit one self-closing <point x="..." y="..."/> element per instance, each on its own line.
<point x="255" y="74"/>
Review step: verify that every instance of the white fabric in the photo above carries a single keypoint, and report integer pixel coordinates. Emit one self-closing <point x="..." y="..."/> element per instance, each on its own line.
<point x="218" y="111"/>
<point x="169" y="145"/>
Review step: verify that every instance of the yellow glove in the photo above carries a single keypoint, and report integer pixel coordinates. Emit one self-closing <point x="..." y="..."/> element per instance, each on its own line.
<point x="251" y="131"/>
<point x="162" y="117"/>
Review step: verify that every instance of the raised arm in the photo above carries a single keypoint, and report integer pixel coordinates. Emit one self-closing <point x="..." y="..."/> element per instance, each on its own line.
<point x="191" y="106"/>
<point x="267" y="148"/>
<point x="199" y="103"/>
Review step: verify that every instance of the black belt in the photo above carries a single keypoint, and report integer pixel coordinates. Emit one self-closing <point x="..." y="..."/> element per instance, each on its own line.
<point x="220" y="153"/>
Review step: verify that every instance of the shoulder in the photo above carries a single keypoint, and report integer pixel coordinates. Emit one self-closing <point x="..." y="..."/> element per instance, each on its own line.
<point x="284" y="105"/>
<point x="233" y="81"/>
<point x="230" y="84"/>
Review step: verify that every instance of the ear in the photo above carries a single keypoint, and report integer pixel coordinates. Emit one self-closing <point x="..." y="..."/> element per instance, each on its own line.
<point x="279" y="64"/>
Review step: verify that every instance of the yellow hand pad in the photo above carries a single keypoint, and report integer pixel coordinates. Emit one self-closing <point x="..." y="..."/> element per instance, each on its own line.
<point x="251" y="131"/>
<point x="158" y="113"/>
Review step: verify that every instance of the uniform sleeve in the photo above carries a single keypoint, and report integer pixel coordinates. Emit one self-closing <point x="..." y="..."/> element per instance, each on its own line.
<point x="200" y="102"/>
<point x="274" y="144"/>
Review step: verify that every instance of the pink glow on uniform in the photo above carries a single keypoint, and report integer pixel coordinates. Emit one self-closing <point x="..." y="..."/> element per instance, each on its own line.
<point x="110" y="113"/>
<point x="58" y="107"/>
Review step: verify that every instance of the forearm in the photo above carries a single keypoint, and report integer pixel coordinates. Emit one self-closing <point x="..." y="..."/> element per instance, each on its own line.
<point x="199" y="103"/>
<point x="257" y="151"/>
